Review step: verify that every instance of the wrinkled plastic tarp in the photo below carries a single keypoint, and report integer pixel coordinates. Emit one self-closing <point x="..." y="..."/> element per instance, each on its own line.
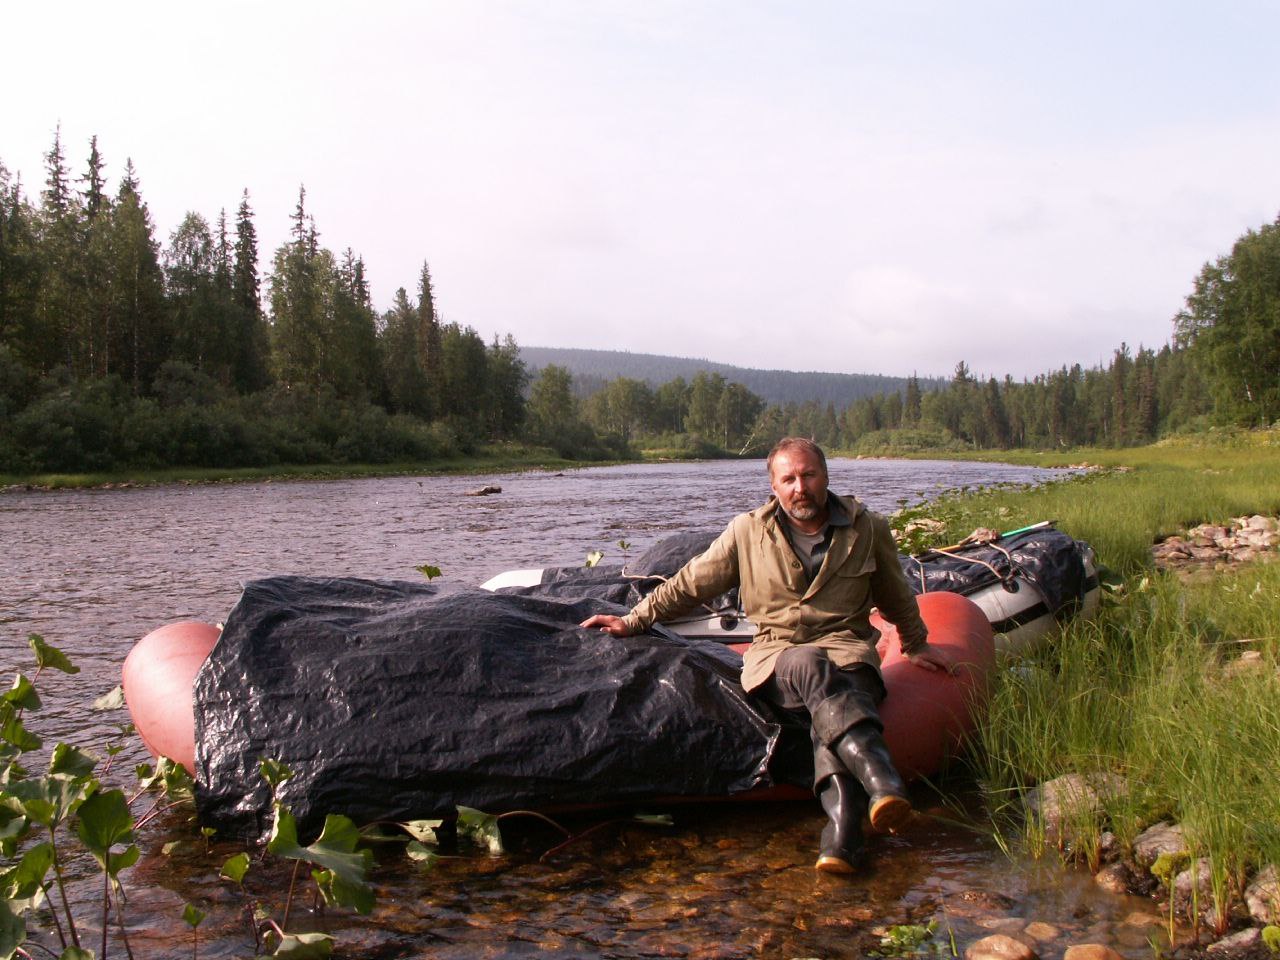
<point x="628" y="584"/>
<point x="393" y="701"/>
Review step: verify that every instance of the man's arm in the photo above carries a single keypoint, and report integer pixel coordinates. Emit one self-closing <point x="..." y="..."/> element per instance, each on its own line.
<point x="707" y="575"/>
<point x="897" y="604"/>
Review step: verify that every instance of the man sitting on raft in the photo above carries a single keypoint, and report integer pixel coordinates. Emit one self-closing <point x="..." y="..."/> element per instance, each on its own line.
<point x="809" y="567"/>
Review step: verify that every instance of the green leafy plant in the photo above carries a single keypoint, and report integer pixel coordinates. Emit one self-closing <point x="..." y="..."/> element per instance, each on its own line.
<point x="907" y="939"/>
<point x="1271" y="937"/>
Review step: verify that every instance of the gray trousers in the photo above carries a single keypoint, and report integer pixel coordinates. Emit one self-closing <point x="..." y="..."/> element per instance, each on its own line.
<point x="805" y="681"/>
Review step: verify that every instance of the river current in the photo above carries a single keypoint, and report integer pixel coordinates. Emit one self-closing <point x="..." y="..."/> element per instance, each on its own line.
<point x="92" y="571"/>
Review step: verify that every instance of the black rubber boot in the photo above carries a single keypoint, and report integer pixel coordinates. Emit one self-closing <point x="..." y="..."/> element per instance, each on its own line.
<point x="862" y="749"/>
<point x="846" y="805"/>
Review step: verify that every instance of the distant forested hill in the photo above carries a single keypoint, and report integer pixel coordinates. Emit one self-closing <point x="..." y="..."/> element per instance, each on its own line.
<point x="592" y="368"/>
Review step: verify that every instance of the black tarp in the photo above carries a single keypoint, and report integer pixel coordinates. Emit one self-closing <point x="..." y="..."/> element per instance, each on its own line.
<point x="1046" y="558"/>
<point x="394" y="701"/>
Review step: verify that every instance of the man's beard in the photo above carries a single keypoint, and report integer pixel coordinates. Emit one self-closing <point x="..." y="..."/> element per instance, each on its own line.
<point x="803" y="510"/>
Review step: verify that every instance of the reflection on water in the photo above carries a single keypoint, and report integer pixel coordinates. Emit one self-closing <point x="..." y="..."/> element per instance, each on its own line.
<point x="92" y="571"/>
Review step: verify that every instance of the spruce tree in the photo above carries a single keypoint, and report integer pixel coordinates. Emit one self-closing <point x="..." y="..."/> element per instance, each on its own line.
<point x="430" y="347"/>
<point x="252" y="348"/>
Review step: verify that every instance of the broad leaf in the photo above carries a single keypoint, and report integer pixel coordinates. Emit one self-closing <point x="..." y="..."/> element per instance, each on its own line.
<point x="71" y="761"/>
<point x="423" y="830"/>
<point x="12" y="731"/>
<point x="172" y="779"/>
<point x="24" y="880"/>
<point x="305" y="946"/>
<point x="274" y="772"/>
<point x="13" y="930"/>
<point x="105" y="821"/>
<point x="75" y="953"/>
<point x="334" y="850"/>
<point x="50" y="656"/>
<point x="193" y="915"/>
<point x="428" y="571"/>
<point x="421" y="855"/>
<point x="13" y="827"/>
<point x="111" y="700"/>
<point x="482" y="828"/>
<point x="48" y="801"/>
<point x="339" y="892"/>
<point x="235" y="868"/>
<point x="23" y="694"/>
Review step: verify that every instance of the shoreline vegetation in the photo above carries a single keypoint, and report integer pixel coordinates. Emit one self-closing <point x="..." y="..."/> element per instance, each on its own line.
<point x="1142" y="745"/>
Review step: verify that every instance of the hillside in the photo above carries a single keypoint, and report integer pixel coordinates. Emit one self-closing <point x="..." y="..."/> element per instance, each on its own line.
<point x="592" y="368"/>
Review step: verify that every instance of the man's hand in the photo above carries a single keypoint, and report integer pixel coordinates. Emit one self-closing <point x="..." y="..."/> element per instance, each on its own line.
<point x="930" y="657"/>
<point x="610" y="624"/>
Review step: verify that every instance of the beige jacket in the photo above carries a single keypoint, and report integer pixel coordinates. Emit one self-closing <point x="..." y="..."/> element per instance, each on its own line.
<point x="860" y="571"/>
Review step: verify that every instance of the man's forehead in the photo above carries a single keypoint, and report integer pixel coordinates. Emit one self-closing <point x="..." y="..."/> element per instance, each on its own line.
<point x="794" y="461"/>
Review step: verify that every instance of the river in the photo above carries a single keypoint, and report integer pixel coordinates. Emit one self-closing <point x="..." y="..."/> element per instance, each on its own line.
<point x="94" y="570"/>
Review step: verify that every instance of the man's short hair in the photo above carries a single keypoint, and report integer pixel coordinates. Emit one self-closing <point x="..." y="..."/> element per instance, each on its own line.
<point x="796" y="443"/>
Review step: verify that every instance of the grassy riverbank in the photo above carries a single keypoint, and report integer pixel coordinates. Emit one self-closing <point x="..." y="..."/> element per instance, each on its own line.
<point x="504" y="458"/>
<point x="1152" y="691"/>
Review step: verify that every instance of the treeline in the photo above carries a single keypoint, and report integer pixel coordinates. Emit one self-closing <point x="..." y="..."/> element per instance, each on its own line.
<point x="1221" y="368"/>
<point x="593" y="369"/>
<point x="118" y="353"/>
<point x="1134" y="400"/>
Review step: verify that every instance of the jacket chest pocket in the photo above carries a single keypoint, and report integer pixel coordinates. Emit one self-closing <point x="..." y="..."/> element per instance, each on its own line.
<point x="850" y="588"/>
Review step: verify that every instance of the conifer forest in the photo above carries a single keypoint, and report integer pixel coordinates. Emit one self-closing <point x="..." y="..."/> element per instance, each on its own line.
<point x="121" y="350"/>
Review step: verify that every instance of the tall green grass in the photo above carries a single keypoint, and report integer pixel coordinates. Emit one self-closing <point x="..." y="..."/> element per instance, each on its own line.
<point x="1146" y="691"/>
<point x="1138" y="497"/>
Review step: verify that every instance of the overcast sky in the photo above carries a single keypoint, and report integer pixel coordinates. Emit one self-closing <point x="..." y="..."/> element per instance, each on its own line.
<point x="844" y="186"/>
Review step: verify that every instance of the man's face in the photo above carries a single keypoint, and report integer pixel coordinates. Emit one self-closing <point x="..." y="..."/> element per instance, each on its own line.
<point x="800" y="484"/>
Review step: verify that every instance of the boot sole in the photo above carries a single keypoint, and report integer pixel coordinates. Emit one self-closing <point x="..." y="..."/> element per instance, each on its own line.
<point x="890" y="814"/>
<point x="829" y="864"/>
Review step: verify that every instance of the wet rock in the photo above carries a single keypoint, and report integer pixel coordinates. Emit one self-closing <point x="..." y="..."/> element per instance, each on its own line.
<point x="1193" y="889"/>
<point x="1090" y="951"/>
<point x="1041" y="931"/>
<point x="1159" y="838"/>
<point x="1109" y="845"/>
<point x="1262" y="896"/>
<point x="975" y="903"/>
<point x="1072" y="797"/>
<point x="999" y="947"/>
<point x="1010" y="926"/>
<point x="483" y="491"/>
<point x="1141" y="918"/>
<point x="1114" y="877"/>
<point x="1246" y="939"/>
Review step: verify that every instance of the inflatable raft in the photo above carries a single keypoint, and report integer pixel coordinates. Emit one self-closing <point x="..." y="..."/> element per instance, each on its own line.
<point x="388" y="708"/>
<point x="1027" y="582"/>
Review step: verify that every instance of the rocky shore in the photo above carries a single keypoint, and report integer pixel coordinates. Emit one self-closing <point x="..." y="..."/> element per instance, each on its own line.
<point x="1159" y="865"/>
<point x="1212" y="547"/>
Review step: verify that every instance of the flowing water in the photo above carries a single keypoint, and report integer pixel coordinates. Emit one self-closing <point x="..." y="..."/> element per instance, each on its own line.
<point x="94" y="570"/>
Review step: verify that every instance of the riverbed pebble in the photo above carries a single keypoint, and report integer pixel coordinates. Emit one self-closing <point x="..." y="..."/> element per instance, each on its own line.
<point x="1041" y="931"/>
<point x="1090" y="951"/>
<point x="999" y="946"/>
<point x="1114" y="877"/>
<point x="1193" y="889"/>
<point x="1073" y="796"/>
<point x="1242" y="940"/>
<point x="1263" y="895"/>
<point x="1158" y="839"/>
